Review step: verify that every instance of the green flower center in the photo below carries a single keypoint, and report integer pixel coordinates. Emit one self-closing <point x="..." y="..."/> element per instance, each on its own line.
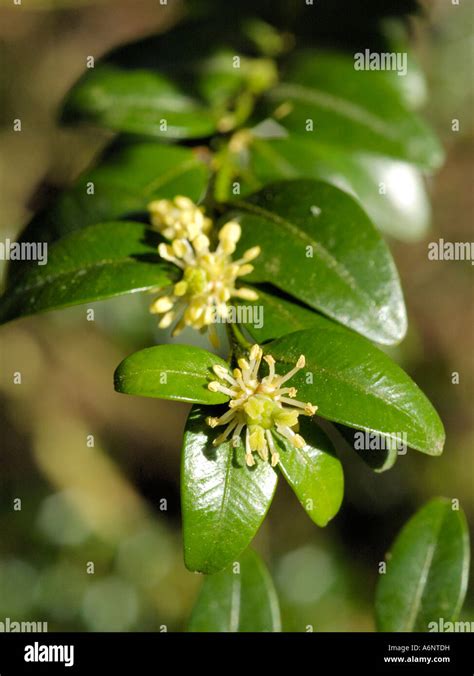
<point x="261" y="410"/>
<point x="196" y="279"/>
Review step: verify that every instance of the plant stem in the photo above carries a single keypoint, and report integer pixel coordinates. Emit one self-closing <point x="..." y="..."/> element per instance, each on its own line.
<point x="239" y="345"/>
<point x="238" y="338"/>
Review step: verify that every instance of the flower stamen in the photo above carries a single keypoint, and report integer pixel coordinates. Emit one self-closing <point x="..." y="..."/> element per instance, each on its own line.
<point x="259" y="406"/>
<point x="201" y="297"/>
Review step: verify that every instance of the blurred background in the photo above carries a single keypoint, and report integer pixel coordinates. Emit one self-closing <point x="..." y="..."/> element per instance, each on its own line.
<point x="97" y="473"/>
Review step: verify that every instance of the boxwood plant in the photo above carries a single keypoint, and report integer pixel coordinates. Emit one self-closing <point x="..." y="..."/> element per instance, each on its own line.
<point x="243" y="191"/>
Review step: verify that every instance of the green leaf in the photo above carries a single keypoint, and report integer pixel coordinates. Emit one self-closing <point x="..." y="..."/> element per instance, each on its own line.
<point x="319" y="246"/>
<point x="402" y="210"/>
<point x="279" y="316"/>
<point x="314" y="473"/>
<point x="239" y="599"/>
<point x="356" y="384"/>
<point x="412" y="87"/>
<point x="180" y="372"/>
<point x="137" y="102"/>
<point x="124" y="183"/>
<point x="427" y="571"/>
<point x="203" y="67"/>
<point x="101" y="261"/>
<point x="223" y="501"/>
<point x="219" y="80"/>
<point x="356" y="110"/>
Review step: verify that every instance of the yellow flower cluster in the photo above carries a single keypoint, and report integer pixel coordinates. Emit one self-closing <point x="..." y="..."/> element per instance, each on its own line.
<point x="259" y="406"/>
<point x="179" y="218"/>
<point x="208" y="282"/>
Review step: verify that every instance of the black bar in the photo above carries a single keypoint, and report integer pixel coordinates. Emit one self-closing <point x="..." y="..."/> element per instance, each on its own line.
<point x="318" y="653"/>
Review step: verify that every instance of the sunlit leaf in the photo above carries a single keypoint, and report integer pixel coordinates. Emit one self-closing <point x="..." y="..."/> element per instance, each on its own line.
<point x="223" y="501"/>
<point x="318" y="245"/>
<point x="122" y="184"/>
<point x="324" y="97"/>
<point x="180" y="372"/>
<point x="356" y="384"/>
<point x="100" y="261"/>
<point x="314" y="473"/>
<point x="137" y="102"/>
<point x="392" y="192"/>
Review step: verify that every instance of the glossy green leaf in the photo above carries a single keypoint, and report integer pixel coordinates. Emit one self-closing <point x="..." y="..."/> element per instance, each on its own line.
<point x="319" y="246"/>
<point x="313" y="472"/>
<point x="427" y="571"/>
<point x="180" y="372"/>
<point x="241" y="598"/>
<point x="358" y="110"/>
<point x="140" y="102"/>
<point x="203" y="67"/>
<point x="392" y="192"/>
<point x="101" y="261"/>
<point x="123" y="184"/>
<point x="223" y="501"/>
<point x="356" y="384"/>
<point x="279" y="316"/>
